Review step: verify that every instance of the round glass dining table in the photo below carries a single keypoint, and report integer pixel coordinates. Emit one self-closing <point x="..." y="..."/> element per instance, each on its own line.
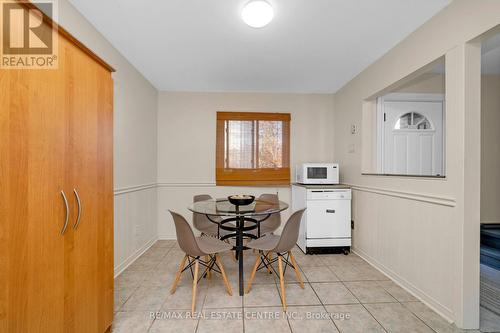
<point x="238" y="222"/>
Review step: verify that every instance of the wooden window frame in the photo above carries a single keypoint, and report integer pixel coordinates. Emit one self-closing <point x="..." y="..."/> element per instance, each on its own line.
<point x="254" y="176"/>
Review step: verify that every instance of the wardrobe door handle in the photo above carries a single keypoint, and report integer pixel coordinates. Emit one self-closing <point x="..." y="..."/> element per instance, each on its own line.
<point x="77" y="223"/>
<point x="67" y="213"/>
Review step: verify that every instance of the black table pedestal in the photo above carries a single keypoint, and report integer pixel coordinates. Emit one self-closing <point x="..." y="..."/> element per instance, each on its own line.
<point x="239" y="234"/>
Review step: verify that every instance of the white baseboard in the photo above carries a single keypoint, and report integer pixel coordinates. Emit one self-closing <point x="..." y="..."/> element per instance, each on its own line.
<point x="127" y="262"/>
<point x="428" y="300"/>
<point x="167" y="237"/>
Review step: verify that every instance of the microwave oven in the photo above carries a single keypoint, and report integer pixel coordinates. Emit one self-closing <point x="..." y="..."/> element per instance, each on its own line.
<point x="317" y="173"/>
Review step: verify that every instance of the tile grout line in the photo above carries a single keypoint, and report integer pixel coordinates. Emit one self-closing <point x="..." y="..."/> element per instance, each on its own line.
<point x="366" y="309"/>
<point x="342" y="282"/>
<point x="163" y="303"/>
<point x="278" y="289"/>
<point x="287" y="318"/>
<point x="154" y="319"/>
<point x="150" y="325"/>
<point x="227" y="308"/>
<point x="401" y="303"/>
<point x="243" y="312"/>
<point x="321" y="302"/>
<point x="397" y="302"/>
<point x="324" y="307"/>
<point x="395" y="298"/>
<point x="416" y="316"/>
<point x="244" y="307"/>
<point x="131" y="294"/>
<point x="202" y="304"/>
<point x="139" y="284"/>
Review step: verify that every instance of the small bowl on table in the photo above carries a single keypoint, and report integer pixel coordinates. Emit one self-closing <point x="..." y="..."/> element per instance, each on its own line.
<point x="241" y="199"/>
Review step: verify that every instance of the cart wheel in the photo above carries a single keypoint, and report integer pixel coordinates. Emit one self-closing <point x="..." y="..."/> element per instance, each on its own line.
<point x="346" y="252"/>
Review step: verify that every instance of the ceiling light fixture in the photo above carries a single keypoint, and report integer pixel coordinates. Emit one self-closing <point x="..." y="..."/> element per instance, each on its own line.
<point x="257" y="13"/>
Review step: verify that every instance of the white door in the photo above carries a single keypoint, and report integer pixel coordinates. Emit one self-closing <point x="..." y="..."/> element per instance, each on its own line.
<point x="413" y="137"/>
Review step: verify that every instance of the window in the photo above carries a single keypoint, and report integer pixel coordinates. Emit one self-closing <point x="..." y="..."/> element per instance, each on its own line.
<point x="253" y="148"/>
<point x="413" y="120"/>
<point x="405" y="125"/>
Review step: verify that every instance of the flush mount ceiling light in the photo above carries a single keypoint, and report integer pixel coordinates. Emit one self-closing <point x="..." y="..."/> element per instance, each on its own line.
<point x="257" y="13"/>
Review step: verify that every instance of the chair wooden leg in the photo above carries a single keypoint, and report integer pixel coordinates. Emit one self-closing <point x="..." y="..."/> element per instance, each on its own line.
<point x="209" y="272"/>
<point x="254" y="270"/>
<point x="297" y="272"/>
<point x="282" y="283"/>
<point x="233" y="253"/>
<point x="269" y="258"/>
<point x="195" y="284"/>
<point x="178" y="275"/>
<point x="224" y="276"/>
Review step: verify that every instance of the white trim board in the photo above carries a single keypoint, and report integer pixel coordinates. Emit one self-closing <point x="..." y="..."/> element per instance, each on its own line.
<point x="413" y="97"/>
<point x="435" y="199"/>
<point x="135" y="188"/>
<point x="429" y="198"/>
<point x="130" y="260"/>
<point x="442" y="310"/>
<point x="185" y="185"/>
<point x="167" y="237"/>
<point x="446" y="201"/>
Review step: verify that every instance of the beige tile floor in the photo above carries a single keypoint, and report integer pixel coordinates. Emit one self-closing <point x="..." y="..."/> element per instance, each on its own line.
<point x="341" y="294"/>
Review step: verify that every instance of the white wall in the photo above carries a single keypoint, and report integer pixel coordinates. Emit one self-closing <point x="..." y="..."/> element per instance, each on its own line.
<point x="490" y="148"/>
<point x="421" y="231"/>
<point x="186" y="142"/>
<point x="135" y="113"/>
<point x="428" y="83"/>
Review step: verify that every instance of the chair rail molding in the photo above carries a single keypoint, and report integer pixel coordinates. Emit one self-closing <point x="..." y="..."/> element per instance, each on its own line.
<point x="134" y="188"/>
<point x="186" y="184"/>
<point x="429" y="198"/>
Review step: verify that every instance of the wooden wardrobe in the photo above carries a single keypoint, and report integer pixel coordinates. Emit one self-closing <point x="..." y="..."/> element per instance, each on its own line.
<point x="56" y="170"/>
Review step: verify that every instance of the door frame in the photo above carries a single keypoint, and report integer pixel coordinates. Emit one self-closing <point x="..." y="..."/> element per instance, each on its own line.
<point x="405" y="97"/>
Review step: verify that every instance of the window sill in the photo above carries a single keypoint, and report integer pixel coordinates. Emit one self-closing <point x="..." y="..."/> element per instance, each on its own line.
<point x="402" y="175"/>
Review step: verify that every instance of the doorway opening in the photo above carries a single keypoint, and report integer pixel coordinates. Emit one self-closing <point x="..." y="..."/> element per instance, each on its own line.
<point x="490" y="186"/>
<point x="411" y="136"/>
<point x="410" y="124"/>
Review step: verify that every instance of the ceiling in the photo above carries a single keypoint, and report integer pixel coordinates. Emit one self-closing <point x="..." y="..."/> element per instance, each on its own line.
<point x="203" y="45"/>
